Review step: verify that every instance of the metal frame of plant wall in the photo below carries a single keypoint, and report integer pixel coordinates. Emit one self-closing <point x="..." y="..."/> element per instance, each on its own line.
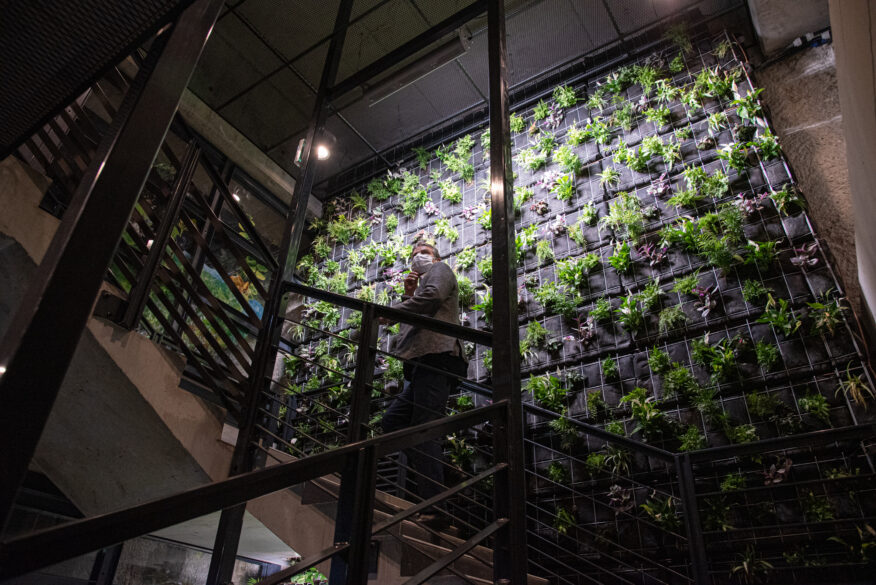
<point x="685" y="308"/>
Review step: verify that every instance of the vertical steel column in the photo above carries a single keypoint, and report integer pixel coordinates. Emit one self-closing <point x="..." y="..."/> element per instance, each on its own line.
<point x="103" y="572"/>
<point x="510" y="490"/>
<point x="140" y="293"/>
<point x="275" y="307"/>
<point x="363" y="515"/>
<point x="351" y="491"/>
<point x="43" y="335"/>
<point x="695" y="542"/>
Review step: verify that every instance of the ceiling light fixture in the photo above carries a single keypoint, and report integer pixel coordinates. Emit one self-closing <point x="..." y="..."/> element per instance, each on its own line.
<point x="322" y="152"/>
<point x="432" y="61"/>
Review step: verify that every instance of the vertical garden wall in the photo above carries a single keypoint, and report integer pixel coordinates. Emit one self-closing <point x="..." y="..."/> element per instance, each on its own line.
<point x="672" y="290"/>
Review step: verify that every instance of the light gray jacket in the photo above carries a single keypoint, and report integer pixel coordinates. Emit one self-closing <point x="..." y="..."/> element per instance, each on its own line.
<point x="437" y="296"/>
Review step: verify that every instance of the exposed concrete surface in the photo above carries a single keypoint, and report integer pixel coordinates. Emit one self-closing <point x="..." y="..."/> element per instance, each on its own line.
<point x="122" y="431"/>
<point x="853" y="23"/>
<point x="803" y="98"/>
<point x="778" y="22"/>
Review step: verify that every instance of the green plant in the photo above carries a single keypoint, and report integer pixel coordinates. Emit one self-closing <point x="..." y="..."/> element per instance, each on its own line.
<point x="465" y="291"/>
<point x="677" y="64"/>
<point x="414" y="195"/>
<point x="658" y="116"/>
<point x="602" y="309"/>
<point x="780" y="316"/>
<point x="565" y="430"/>
<point x="486" y="305"/>
<point x="680" y="381"/>
<point x="816" y="405"/>
<point x="767" y="354"/>
<point x="557" y="299"/>
<point x="740" y="433"/>
<point x="629" y="313"/>
<point x="817" y="508"/>
<point x="762" y="405"/>
<point x="536" y="334"/>
<point x="548" y="391"/>
<point x="650" y="295"/>
<point x="754" y="290"/>
<point x="621" y="260"/>
<point x="732" y="482"/>
<point x="748" y="107"/>
<point x="761" y="254"/>
<point x="466" y="258"/>
<point x="532" y="158"/>
<point x="599" y="131"/>
<point x="544" y="252"/>
<point x="563" y="521"/>
<point x="564" y="187"/>
<point x="687" y="284"/>
<point x="485" y="268"/>
<point x="786" y="199"/>
<point x="610" y="177"/>
<point x="670" y="318"/>
<point x="678" y="35"/>
<point x="692" y="439"/>
<point x="558" y="473"/>
<point x="564" y="96"/>
<point x="661" y="511"/>
<point x="658" y="361"/>
<point x="856" y="388"/>
<point x="450" y="191"/>
<point x="568" y="160"/>
<point x="444" y="229"/>
<point x="573" y="272"/>
<point x="487" y="357"/>
<point x="423" y="157"/>
<point x="457" y="160"/>
<point x="575" y="136"/>
<point x="517" y="124"/>
<point x="750" y="567"/>
<point x="609" y="369"/>
<point x="625" y="216"/>
<point x="686" y="198"/>
<point x="596" y="100"/>
<point x="735" y="154"/>
<point x="826" y="314"/>
<point x="540" y="111"/>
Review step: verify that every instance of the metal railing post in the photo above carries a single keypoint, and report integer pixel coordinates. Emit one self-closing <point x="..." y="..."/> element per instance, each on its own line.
<point x="510" y="490"/>
<point x="350" y="490"/>
<point x="275" y="306"/>
<point x="359" y="555"/>
<point x="696" y="544"/>
<point x="140" y="293"/>
<point x="42" y="336"/>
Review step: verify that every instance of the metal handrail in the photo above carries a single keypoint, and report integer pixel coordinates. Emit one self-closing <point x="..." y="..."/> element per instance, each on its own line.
<point x="465" y="333"/>
<point x="27" y="553"/>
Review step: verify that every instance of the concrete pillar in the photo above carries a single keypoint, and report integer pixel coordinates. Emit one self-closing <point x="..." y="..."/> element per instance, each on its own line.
<point x="852" y="24"/>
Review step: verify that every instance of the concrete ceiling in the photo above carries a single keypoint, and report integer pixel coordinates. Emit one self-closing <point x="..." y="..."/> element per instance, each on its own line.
<point x="260" y="69"/>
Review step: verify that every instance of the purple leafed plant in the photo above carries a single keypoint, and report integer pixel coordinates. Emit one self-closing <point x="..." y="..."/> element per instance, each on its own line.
<point x="660" y="187"/>
<point x="557" y="227"/>
<point x="548" y="180"/>
<point x="471" y="212"/>
<point x="749" y="204"/>
<point x="653" y="253"/>
<point x="707" y="299"/>
<point x="586" y="330"/>
<point x="805" y="256"/>
<point x="541" y="207"/>
<point x="554" y="118"/>
<point x="430" y="208"/>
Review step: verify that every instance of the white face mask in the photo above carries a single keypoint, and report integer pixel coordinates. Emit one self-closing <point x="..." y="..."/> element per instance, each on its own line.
<point x="422" y="262"/>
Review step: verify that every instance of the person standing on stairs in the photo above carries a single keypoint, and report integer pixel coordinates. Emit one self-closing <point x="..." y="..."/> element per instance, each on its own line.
<point x="431" y="290"/>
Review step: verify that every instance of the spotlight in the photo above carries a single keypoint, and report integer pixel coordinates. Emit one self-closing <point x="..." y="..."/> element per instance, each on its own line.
<point x="322" y="152"/>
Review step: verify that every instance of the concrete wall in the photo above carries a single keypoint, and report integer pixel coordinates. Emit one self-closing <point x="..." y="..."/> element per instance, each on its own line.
<point x="852" y="24"/>
<point x="779" y="22"/>
<point x="122" y="431"/>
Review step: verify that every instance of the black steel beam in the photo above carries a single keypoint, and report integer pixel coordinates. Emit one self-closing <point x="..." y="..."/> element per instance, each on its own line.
<point x="43" y="335"/>
<point x="509" y="560"/>
<point x="275" y="304"/>
<point x="696" y="545"/>
<point x="363" y="515"/>
<point x="418" y="43"/>
<point x="34" y="551"/>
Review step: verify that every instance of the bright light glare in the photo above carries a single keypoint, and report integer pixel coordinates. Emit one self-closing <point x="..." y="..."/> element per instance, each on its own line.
<point x="236" y="197"/>
<point x="2" y="370"/>
<point x="322" y="152"/>
<point x="149" y="244"/>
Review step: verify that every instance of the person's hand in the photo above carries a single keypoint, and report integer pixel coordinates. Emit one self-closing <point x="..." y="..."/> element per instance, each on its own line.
<point x="411" y="282"/>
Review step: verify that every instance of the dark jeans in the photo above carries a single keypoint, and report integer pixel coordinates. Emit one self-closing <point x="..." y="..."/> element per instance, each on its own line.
<point x="423" y="399"/>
